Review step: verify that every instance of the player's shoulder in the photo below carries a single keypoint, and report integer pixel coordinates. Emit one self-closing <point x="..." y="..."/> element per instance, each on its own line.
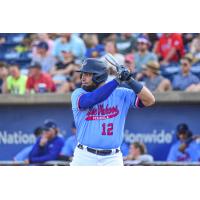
<point x="78" y="91"/>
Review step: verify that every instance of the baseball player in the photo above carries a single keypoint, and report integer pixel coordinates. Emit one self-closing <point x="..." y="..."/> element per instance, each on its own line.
<point x="100" y="110"/>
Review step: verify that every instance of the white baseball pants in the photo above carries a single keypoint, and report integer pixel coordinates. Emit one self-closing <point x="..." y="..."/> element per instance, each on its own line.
<point x="84" y="158"/>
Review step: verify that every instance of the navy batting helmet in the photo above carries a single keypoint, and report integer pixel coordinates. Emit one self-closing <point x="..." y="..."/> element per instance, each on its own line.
<point x="97" y="68"/>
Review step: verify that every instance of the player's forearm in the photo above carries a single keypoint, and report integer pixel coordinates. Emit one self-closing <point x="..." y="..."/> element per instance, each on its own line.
<point x="100" y="94"/>
<point x="144" y="94"/>
<point x="146" y="97"/>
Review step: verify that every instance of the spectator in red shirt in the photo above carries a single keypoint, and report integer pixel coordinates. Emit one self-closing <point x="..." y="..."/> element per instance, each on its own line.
<point x="170" y="48"/>
<point x="38" y="81"/>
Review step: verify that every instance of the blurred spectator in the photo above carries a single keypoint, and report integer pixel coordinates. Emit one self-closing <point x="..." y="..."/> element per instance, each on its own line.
<point x="143" y="55"/>
<point x="67" y="151"/>
<point x="185" y="78"/>
<point x="195" y="48"/>
<point x="46" y="60"/>
<point x="138" y="153"/>
<point x="170" y="48"/>
<point x="3" y="77"/>
<point x="177" y="152"/>
<point x="24" y="153"/>
<point x="48" y="146"/>
<point x="94" y="49"/>
<point x="110" y="47"/>
<point x="69" y="42"/>
<point x="153" y="39"/>
<point x="24" y="46"/>
<point x="42" y="37"/>
<point x="152" y="78"/>
<point x="39" y="82"/>
<point x="126" y="43"/>
<point x="72" y="82"/>
<point x="103" y="37"/>
<point x="62" y="69"/>
<point x="129" y="63"/>
<point x="2" y="38"/>
<point x="187" y="40"/>
<point x="15" y="82"/>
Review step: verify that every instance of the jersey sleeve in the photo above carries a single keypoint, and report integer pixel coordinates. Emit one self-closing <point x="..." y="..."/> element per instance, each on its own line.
<point x="131" y="99"/>
<point x="75" y="98"/>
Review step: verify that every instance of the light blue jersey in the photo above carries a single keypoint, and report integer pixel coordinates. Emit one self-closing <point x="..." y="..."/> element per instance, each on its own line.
<point x="101" y="127"/>
<point x="69" y="146"/>
<point x="23" y="154"/>
<point x="189" y="155"/>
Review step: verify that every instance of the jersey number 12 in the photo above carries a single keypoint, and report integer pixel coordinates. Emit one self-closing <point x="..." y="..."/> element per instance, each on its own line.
<point x="107" y="129"/>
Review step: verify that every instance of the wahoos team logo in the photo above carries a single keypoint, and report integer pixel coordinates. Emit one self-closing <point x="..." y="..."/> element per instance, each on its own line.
<point x="101" y="113"/>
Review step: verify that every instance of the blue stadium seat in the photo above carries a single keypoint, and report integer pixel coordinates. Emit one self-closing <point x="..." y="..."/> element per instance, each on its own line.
<point x="196" y="70"/>
<point x="169" y="71"/>
<point x="11" y="55"/>
<point x="26" y="55"/>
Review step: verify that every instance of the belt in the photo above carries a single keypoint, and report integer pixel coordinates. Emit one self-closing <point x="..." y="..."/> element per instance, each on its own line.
<point x="98" y="152"/>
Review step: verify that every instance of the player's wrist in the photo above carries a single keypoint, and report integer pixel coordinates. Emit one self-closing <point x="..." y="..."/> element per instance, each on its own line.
<point x="135" y="85"/>
<point x="118" y="80"/>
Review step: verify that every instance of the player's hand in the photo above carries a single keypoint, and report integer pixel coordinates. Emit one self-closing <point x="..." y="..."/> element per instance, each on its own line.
<point x="43" y="141"/>
<point x="123" y="74"/>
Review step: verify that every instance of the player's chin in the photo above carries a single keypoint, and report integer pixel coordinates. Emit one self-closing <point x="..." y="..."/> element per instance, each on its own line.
<point x="88" y="88"/>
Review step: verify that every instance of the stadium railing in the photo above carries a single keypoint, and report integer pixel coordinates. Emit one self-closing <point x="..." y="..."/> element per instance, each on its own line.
<point x="126" y="163"/>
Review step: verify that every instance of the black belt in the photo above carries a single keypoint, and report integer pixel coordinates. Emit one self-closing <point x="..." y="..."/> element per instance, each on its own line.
<point x="98" y="152"/>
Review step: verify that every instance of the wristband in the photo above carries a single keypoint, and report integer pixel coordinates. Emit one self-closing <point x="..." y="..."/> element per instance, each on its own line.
<point x="135" y="85"/>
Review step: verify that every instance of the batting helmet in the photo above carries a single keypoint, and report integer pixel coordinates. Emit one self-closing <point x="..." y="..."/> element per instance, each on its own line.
<point x="97" y="67"/>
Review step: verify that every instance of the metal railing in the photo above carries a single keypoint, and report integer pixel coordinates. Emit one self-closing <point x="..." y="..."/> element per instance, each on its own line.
<point x="126" y="163"/>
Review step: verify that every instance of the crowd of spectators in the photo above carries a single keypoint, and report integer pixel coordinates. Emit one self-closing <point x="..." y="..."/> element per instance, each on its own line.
<point x="38" y="63"/>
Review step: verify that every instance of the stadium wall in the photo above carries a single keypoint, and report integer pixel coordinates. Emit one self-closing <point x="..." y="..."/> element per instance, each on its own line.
<point x="154" y="126"/>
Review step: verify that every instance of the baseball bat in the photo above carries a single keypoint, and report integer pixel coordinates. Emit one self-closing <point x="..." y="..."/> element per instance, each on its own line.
<point x="109" y="58"/>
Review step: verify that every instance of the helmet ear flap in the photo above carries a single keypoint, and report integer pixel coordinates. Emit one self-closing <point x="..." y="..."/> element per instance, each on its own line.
<point x="99" y="78"/>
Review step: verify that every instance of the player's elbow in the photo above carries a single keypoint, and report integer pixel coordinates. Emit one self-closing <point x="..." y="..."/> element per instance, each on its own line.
<point x="151" y="101"/>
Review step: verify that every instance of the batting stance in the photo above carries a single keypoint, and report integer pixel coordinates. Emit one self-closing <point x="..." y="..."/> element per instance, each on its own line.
<point x="100" y="110"/>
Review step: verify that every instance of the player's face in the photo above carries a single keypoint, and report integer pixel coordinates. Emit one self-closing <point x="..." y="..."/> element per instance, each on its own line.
<point x="86" y="79"/>
<point x="87" y="83"/>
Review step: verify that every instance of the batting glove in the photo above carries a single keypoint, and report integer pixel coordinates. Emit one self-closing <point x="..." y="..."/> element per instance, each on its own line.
<point x="123" y="74"/>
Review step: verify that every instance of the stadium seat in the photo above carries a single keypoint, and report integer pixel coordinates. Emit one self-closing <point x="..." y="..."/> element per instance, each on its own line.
<point x="169" y="71"/>
<point x="196" y="70"/>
